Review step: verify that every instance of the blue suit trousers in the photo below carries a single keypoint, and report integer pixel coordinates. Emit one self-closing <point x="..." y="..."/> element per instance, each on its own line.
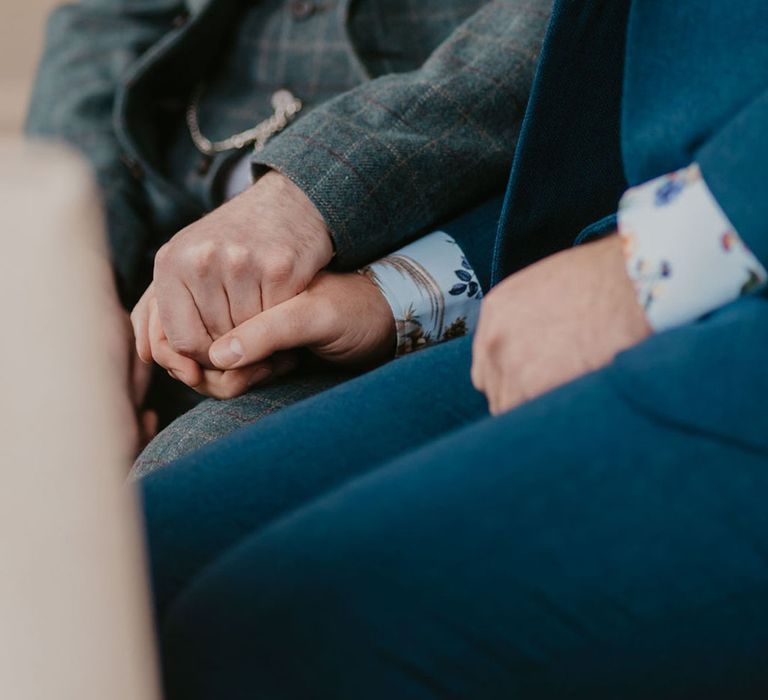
<point x="389" y="539"/>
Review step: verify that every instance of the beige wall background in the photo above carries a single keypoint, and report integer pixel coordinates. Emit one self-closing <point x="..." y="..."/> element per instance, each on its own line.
<point x="22" y="24"/>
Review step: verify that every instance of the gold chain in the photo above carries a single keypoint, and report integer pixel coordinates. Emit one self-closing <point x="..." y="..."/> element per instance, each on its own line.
<point x="285" y="105"/>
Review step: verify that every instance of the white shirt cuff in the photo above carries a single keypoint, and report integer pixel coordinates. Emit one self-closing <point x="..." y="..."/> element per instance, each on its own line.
<point x="683" y="254"/>
<point x="432" y="290"/>
<point x="239" y="178"/>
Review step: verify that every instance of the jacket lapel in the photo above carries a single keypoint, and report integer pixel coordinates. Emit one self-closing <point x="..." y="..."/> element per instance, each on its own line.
<point x="568" y="170"/>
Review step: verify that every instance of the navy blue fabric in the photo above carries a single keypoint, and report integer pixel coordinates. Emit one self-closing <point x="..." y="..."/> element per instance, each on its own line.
<point x="568" y="171"/>
<point x="696" y="88"/>
<point x="199" y="506"/>
<point x="475" y="232"/>
<point x="627" y="91"/>
<point x="388" y="539"/>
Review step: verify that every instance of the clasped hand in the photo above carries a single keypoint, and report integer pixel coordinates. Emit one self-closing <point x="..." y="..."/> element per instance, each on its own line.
<point x="236" y="289"/>
<point x="234" y="293"/>
<point x="555" y="321"/>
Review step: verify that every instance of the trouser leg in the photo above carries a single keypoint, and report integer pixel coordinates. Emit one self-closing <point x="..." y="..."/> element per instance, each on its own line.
<point x="203" y="504"/>
<point x="574" y="548"/>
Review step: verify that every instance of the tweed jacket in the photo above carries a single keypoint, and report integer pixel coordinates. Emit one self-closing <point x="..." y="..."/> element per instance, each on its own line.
<point x="381" y="161"/>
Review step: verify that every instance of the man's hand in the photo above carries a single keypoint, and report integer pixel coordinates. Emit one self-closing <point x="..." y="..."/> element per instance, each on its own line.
<point x="341" y="318"/>
<point x="557" y="320"/>
<point x="256" y="251"/>
<point x="140" y="425"/>
<point x="210" y="382"/>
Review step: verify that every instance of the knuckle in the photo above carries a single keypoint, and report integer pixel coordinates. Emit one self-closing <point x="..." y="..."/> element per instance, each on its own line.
<point x="201" y="258"/>
<point x="492" y="344"/>
<point x="163" y="257"/>
<point x="278" y="266"/>
<point x="222" y="393"/>
<point x="489" y="339"/>
<point x="239" y="260"/>
<point x="162" y="359"/>
<point x="479" y="350"/>
<point x="182" y="345"/>
<point x="492" y="301"/>
<point x="230" y="388"/>
<point x="215" y="392"/>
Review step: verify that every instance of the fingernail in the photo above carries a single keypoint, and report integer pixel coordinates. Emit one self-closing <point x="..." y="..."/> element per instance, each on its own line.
<point x="260" y="376"/>
<point x="227" y="354"/>
<point x="172" y="374"/>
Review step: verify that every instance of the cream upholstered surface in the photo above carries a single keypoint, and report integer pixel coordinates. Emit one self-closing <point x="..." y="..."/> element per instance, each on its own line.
<point x="21" y="34"/>
<point x="74" y="610"/>
<point x="74" y="604"/>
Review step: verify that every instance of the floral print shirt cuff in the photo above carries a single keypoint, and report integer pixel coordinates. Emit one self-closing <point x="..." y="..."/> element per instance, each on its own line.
<point x="432" y="290"/>
<point x="682" y="252"/>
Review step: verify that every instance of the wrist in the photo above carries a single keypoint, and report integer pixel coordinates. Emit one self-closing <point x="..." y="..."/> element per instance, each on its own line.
<point x="431" y="289"/>
<point x="624" y="292"/>
<point x="383" y="329"/>
<point x="309" y="223"/>
<point x="353" y="321"/>
<point x="682" y="251"/>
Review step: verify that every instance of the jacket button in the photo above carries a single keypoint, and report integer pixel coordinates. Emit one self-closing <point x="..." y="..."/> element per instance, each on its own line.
<point x="134" y="167"/>
<point x="180" y="20"/>
<point x="301" y="9"/>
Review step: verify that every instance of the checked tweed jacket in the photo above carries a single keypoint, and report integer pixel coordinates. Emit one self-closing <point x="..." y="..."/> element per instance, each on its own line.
<point x="413" y="118"/>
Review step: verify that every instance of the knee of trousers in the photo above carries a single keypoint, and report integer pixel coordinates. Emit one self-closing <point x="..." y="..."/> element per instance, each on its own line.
<point x="266" y="624"/>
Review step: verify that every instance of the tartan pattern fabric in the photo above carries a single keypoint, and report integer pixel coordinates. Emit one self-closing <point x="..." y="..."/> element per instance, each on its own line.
<point x="397" y="36"/>
<point x="382" y="154"/>
<point x="89" y="47"/>
<point x="403" y="151"/>
<point x="212" y="420"/>
<point x="338" y="46"/>
<point x="270" y="50"/>
<point x="335" y="48"/>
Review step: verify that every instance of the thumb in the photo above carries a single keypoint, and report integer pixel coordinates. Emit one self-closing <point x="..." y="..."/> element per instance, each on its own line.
<point x="289" y="325"/>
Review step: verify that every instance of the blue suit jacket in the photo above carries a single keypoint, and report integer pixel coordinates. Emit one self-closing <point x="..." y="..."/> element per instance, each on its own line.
<point x="626" y="91"/>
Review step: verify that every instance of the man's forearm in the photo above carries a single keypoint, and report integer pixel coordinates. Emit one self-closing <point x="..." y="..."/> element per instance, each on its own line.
<point x="396" y="154"/>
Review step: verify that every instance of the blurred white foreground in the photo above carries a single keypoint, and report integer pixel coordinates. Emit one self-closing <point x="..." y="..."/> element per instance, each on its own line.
<point x="74" y="610"/>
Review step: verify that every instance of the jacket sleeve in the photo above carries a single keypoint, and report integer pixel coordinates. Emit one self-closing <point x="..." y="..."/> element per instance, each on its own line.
<point x="400" y="152"/>
<point x="734" y="162"/>
<point x="88" y="48"/>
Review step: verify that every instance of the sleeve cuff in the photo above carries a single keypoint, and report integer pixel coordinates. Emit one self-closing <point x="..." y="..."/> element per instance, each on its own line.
<point x="343" y="190"/>
<point x="683" y="254"/>
<point x="432" y="290"/>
